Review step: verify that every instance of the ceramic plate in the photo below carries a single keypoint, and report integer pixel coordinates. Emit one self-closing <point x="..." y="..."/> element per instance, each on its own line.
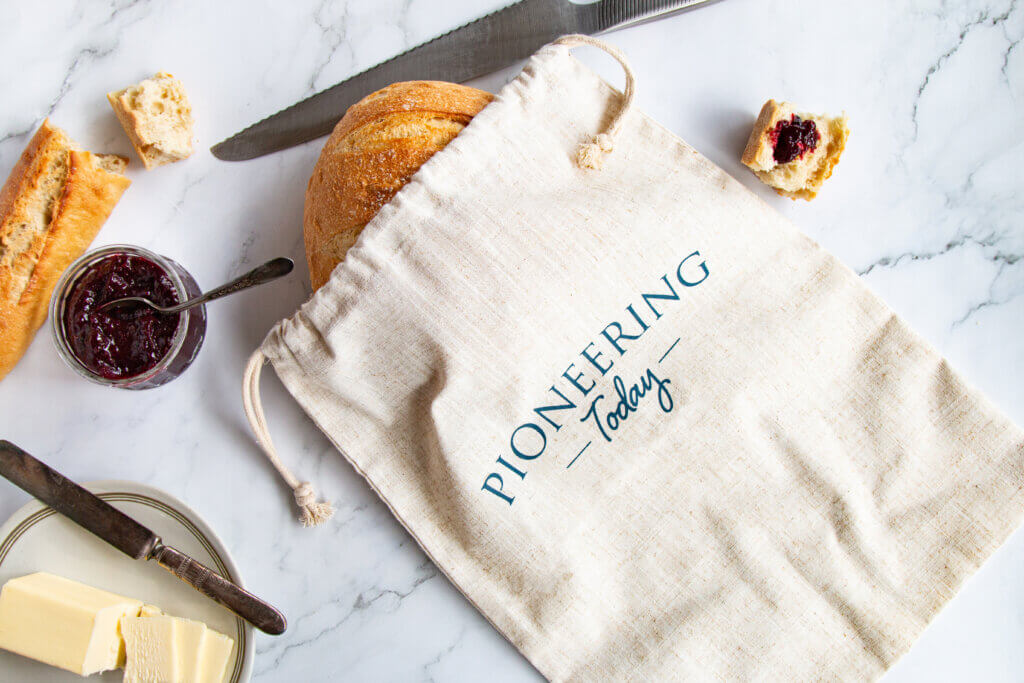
<point x="37" y="539"/>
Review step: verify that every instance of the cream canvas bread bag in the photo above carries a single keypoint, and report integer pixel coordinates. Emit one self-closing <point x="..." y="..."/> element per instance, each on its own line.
<point x="647" y="427"/>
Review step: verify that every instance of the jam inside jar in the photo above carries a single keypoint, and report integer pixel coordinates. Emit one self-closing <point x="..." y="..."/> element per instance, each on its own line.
<point x="130" y="346"/>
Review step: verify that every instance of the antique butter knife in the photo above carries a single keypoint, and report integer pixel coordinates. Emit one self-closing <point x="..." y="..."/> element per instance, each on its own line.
<point x="480" y="47"/>
<point x="130" y="537"/>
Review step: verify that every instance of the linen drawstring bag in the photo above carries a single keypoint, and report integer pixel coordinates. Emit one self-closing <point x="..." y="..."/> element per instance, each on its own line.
<point x="648" y="428"/>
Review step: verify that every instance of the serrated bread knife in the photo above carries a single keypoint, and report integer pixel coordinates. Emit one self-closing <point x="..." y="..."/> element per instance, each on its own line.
<point x="130" y="537"/>
<point x="477" y="48"/>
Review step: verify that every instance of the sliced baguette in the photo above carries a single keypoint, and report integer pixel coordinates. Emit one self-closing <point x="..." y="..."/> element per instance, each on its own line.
<point x="54" y="202"/>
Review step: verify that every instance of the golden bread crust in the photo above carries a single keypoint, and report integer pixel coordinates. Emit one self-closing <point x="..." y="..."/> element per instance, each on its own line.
<point x="373" y="151"/>
<point x="51" y="207"/>
<point x="758" y="153"/>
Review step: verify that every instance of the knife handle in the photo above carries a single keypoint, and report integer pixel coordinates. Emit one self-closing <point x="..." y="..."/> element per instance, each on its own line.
<point x="217" y="588"/>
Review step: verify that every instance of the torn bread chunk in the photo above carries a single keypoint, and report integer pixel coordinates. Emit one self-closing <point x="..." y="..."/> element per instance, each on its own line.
<point x="157" y="117"/>
<point x="794" y="152"/>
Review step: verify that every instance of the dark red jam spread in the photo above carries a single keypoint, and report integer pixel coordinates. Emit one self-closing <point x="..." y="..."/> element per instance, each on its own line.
<point x="122" y="341"/>
<point x="792" y="139"/>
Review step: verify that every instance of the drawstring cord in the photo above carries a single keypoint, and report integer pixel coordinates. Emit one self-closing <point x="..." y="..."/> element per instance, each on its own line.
<point x="591" y="154"/>
<point x="314" y="513"/>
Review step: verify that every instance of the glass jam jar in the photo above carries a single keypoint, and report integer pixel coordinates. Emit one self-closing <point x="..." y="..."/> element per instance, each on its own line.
<point x="130" y="346"/>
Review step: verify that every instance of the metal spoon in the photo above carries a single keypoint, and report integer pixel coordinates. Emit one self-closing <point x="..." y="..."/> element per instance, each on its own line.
<point x="271" y="270"/>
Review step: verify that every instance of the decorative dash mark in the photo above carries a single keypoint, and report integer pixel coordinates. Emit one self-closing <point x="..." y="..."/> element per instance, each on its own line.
<point x="665" y="355"/>
<point x="578" y="455"/>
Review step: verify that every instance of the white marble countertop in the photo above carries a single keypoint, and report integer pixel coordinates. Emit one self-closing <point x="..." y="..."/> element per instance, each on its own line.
<point x="926" y="205"/>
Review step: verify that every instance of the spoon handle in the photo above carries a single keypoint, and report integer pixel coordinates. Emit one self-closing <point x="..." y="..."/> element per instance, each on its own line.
<point x="271" y="270"/>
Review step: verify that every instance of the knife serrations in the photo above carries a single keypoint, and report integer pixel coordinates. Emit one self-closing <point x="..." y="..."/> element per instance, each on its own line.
<point x="479" y="47"/>
<point x="617" y="14"/>
<point x="75" y="503"/>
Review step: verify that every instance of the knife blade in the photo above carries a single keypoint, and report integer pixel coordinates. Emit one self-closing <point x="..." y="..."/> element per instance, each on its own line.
<point x="477" y="48"/>
<point x="133" y="539"/>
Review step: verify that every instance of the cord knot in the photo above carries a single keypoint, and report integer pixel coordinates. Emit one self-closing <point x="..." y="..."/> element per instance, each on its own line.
<point x="314" y="513"/>
<point x="591" y="154"/>
<point x="304" y="494"/>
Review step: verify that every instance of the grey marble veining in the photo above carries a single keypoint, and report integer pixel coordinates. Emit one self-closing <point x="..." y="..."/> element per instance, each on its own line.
<point x="927" y="206"/>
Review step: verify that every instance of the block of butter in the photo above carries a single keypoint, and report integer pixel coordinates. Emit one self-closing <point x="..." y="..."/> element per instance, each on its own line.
<point x="164" y="649"/>
<point x="64" y="623"/>
<point x="87" y="630"/>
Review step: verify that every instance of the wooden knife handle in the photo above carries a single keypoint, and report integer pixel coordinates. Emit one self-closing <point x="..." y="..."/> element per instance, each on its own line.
<point x="221" y="590"/>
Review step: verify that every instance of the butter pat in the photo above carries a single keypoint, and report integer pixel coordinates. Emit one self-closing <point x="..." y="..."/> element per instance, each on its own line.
<point x="213" y="657"/>
<point x="164" y="649"/>
<point x="151" y="611"/>
<point x="151" y="648"/>
<point x="64" y="623"/>
<point x="189" y="646"/>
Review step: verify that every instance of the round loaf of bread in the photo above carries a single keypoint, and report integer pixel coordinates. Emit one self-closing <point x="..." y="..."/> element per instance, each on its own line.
<point x="374" y="150"/>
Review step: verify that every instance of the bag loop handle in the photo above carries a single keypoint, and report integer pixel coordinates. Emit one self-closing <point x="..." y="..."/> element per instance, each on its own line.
<point x="314" y="513"/>
<point x="591" y="154"/>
